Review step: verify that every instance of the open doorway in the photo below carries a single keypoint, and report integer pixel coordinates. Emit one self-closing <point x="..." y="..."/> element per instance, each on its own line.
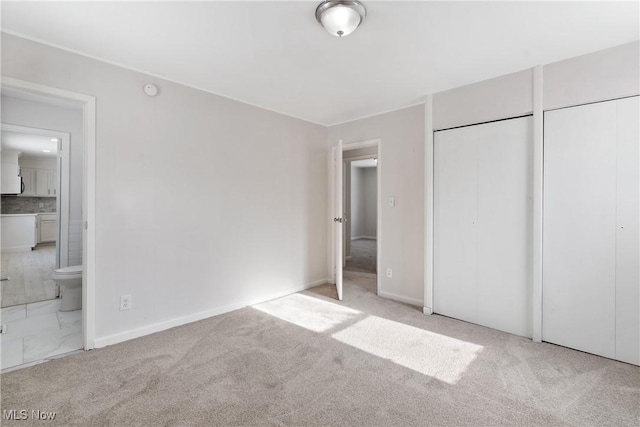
<point x="40" y="258"/>
<point x="360" y="201"/>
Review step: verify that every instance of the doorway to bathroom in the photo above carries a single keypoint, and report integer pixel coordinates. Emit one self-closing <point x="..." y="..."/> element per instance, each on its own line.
<point x="36" y="227"/>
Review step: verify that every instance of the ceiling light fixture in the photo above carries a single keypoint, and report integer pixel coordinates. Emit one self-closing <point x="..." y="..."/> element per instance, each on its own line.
<point x="53" y="139"/>
<point x="46" y="151"/>
<point x="340" y="18"/>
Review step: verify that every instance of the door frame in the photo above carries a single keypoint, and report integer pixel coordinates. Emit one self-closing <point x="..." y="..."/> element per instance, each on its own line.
<point x="88" y="103"/>
<point x="377" y="142"/>
<point x="63" y="166"/>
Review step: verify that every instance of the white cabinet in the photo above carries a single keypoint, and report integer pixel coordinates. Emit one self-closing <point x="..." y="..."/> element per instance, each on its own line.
<point x="18" y="232"/>
<point x="29" y="181"/>
<point x="46" y="183"/>
<point x="482" y="188"/>
<point x="47" y="227"/>
<point x="591" y="281"/>
<point x="10" y="179"/>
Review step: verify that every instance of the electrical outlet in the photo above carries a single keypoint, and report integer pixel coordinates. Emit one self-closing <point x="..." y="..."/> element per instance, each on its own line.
<point x="389" y="272"/>
<point x="41" y="205"/>
<point x="125" y="302"/>
<point x="392" y="202"/>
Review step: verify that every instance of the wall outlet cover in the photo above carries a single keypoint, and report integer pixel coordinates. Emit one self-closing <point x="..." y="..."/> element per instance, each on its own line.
<point x="125" y="302"/>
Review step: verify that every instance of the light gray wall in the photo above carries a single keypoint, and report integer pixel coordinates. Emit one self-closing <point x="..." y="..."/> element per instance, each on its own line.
<point x="203" y="204"/>
<point x="357" y="203"/>
<point x="370" y="200"/>
<point x="402" y="169"/>
<point x="598" y="76"/>
<point x="505" y="96"/>
<point x="364" y="208"/>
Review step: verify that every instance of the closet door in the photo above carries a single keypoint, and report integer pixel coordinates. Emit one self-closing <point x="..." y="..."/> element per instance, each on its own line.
<point x="481" y="224"/>
<point x="504" y="225"/>
<point x="579" y="239"/>
<point x="627" y="231"/>
<point x="455" y="217"/>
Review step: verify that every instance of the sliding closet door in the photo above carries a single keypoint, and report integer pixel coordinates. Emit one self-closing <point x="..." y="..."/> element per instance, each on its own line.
<point x="627" y="232"/>
<point x="455" y="216"/>
<point x="504" y="225"/>
<point x="481" y="224"/>
<point x="590" y="249"/>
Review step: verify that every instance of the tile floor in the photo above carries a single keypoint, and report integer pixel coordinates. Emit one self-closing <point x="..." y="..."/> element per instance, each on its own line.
<point x="30" y="276"/>
<point x="37" y="332"/>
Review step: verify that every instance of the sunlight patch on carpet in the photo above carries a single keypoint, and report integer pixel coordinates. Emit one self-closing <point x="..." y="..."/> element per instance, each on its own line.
<point x="435" y="355"/>
<point x="310" y="313"/>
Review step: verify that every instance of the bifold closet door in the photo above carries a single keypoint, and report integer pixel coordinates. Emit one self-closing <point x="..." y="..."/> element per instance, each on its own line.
<point x="504" y="225"/>
<point x="455" y="216"/>
<point x="590" y="242"/>
<point x="481" y="223"/>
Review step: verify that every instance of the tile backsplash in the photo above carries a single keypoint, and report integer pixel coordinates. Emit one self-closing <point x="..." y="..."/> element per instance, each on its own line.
<point x="20" y="205"/>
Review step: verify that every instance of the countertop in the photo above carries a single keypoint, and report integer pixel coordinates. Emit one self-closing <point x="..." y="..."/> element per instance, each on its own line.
<point x="31" y="214"/>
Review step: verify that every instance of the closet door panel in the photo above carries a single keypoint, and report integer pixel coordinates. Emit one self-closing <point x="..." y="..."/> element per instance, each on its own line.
<point x="504" y="189"/>
<point x="627" y="233"/>
<point x="455" y="213"/>
<point x="579" y="242"/>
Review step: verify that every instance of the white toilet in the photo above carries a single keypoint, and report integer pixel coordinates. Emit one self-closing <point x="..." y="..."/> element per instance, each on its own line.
<point x="70" y="281"/>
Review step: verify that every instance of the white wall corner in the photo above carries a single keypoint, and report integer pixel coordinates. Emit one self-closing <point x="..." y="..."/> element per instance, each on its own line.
<point x="537" y="191"/>
<point x="428" y="202"/>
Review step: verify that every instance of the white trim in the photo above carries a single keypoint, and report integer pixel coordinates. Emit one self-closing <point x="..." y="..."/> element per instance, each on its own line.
<point x="63" y="197"/>
<point x="88" y="196"/>
<point x="428" y="205"/>
<point x="361" y="157"/>
<point x="400" y="298"/>
<point x="18" y="249"/>
<point x="368" y="116"/>
<point x="537" y="221"/>
<point x="183" y="320"/>
<point x="158" y="76"/>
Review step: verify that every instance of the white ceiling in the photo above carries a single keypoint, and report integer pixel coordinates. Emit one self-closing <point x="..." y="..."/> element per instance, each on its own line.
<point x="275" y="55"/>
<point x="29" y="145"/>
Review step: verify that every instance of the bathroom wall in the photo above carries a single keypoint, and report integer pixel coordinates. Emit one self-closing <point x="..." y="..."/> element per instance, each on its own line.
<point x="20" y="205"/>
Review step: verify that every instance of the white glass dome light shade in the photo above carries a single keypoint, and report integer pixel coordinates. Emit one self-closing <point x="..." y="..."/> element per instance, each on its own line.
<point x="340" y="18"/>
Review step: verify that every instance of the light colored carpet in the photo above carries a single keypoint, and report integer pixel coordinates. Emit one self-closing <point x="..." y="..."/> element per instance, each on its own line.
<point x="307" y="359"/>
<point x="363" y="256"/>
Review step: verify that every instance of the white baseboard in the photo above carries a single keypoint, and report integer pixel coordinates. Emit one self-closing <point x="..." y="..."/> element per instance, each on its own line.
<point x="183" y="320"/>
<point x="427" y="310"/>
<point x="17" y="249"/>
<point x="364" y="237"/>
<point x="400" y="298"/>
